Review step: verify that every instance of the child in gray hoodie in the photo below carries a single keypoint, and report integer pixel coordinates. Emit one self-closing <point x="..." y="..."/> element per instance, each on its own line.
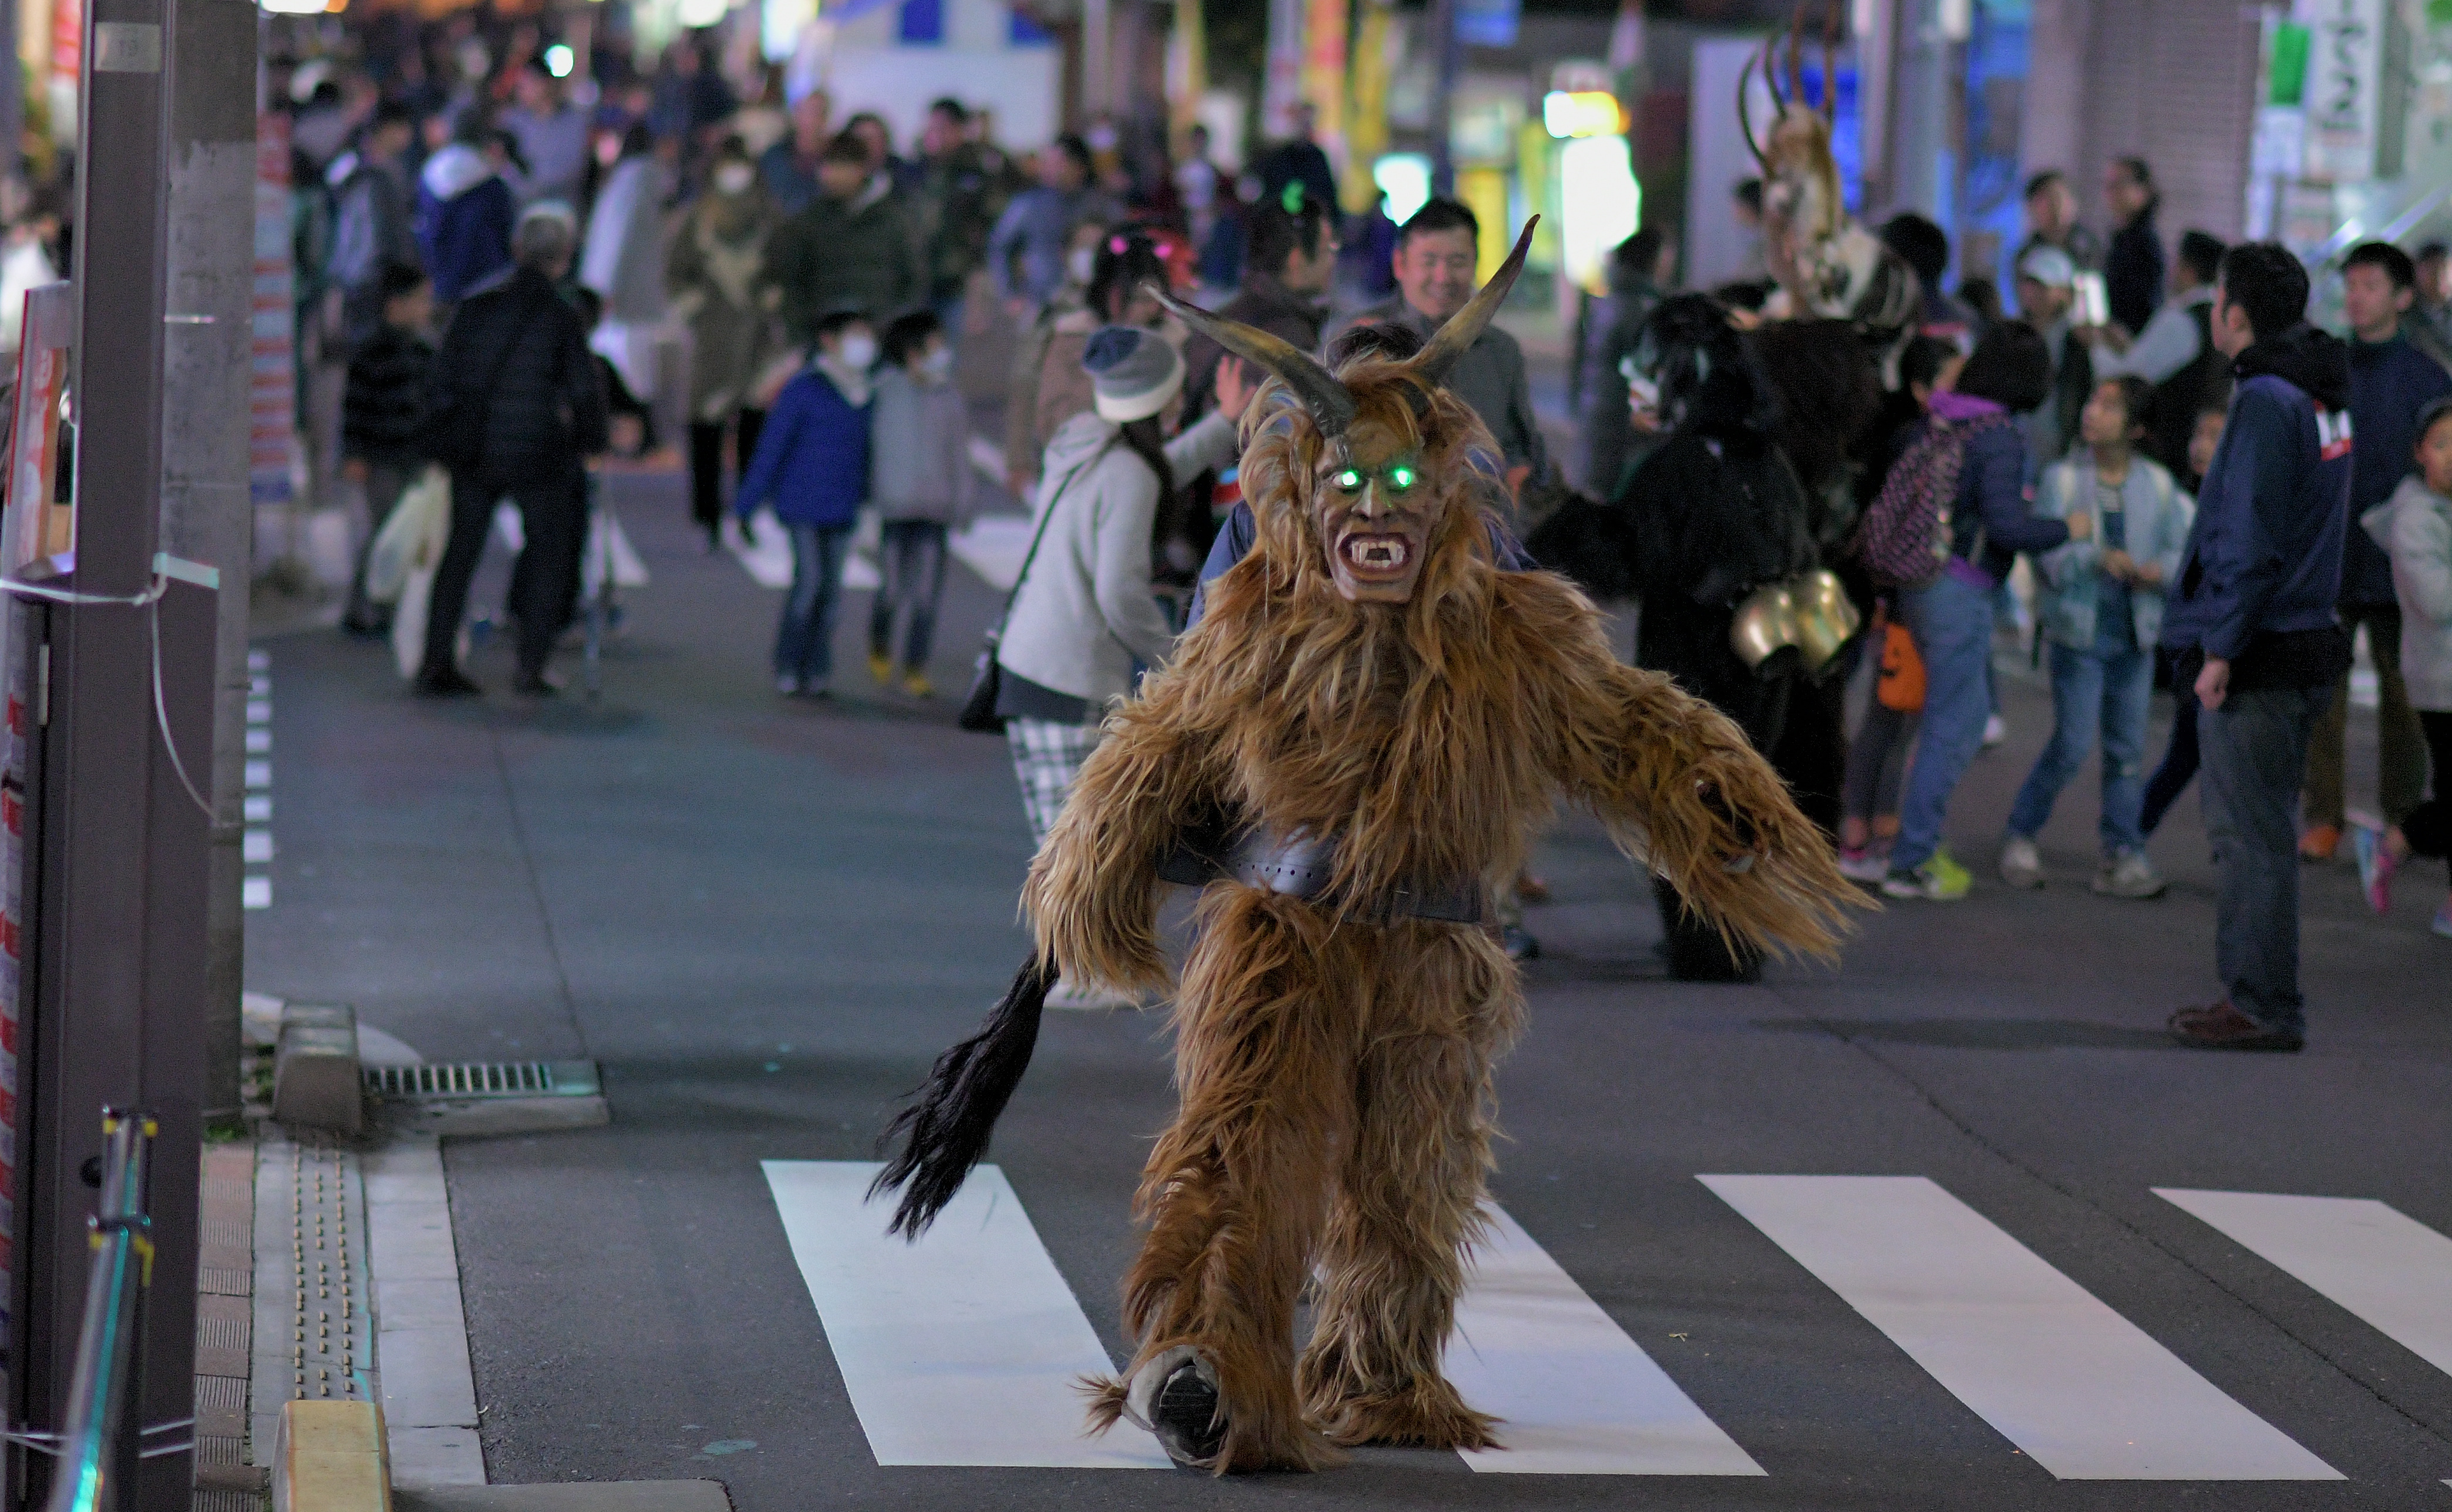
<point x="920" y="473"/>
<point x="2415" y="527"/>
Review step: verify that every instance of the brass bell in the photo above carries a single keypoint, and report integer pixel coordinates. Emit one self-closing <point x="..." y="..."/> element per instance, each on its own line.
<point x="1764" y="623"/>
<point x="1826" y="618"/>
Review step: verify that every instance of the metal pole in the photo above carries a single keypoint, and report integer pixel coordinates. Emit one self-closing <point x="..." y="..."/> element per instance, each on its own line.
<point x="119" y="873"/>
<point x="207" y="515"/>
<point x="1448" y="58"/>
<point x="98" y="1453"/>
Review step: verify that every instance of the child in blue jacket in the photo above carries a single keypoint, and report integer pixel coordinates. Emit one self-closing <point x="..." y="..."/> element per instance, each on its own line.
<point x="812" y="463"/>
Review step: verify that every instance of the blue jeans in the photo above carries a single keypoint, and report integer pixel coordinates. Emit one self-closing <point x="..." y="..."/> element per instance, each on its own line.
<point x="2254" y="750"/>
<point x="1952" y="624"/>
<point x="2106" y="692"/>
<point x="804" y="643"/>
<point x="912" y="552"/>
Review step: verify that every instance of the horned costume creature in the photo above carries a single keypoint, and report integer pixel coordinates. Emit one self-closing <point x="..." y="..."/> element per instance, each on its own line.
<point x="1365" y="727"/>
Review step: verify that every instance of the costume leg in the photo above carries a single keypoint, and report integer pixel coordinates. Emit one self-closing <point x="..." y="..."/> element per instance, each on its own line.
<point x="1408" y="1192"/>
<point x="1235" y="1191"/>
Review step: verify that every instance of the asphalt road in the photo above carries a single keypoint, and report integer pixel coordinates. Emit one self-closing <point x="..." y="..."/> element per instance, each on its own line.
<point x="764" y="919"/>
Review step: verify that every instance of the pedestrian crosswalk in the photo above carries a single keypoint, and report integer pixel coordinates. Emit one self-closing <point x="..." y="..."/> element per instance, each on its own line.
<point x="967" y="1347"/>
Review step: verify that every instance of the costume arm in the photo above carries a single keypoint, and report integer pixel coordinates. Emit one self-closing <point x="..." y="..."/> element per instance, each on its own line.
<point x="1092" y="894"/>
<point x="1677" y="784"/>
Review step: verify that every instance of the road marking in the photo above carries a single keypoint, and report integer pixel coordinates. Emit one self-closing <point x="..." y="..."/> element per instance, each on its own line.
<point x="255" y="846"/>
<point x="1578" y="1396"/>
<point x="258" y="808"/>
<point x="258" y="742"/>
<point x="2085" y="1392"/>
<point x="255" y="892"/>
<point x="259" y="774"/>
<point x="2386" y="1269"/>
<point x="962" y="1349"/>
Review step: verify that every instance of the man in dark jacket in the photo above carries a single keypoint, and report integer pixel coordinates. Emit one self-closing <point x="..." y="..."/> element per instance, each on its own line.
<point x="852" y="249"/>
<point x="382" y="420"/>
<point x="2253" y="623"/>
<point x="2390" y="382"/>
<point x="516" y="410"/>
<point x="2132" y="265"/>
<point x="465" y="209"/>
<point x="374" y="227"/>
<point x="958" y="201"/>
<point x="1284" y="290"/>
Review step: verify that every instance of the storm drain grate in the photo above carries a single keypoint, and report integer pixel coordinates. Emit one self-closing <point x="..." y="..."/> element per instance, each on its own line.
<point x="415" y="1084"/>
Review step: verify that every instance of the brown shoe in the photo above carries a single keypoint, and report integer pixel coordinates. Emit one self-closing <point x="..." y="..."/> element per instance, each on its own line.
<point x="2320" y="842"/>
<point x="2224" y="1027"/>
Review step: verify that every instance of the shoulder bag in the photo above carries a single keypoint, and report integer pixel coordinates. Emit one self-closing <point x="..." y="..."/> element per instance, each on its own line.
<point x="979" y="713"/>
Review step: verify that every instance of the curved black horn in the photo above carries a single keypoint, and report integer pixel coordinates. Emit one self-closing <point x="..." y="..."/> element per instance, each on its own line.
<point x="1832" y="33"/>
<point x="1796" y="57"/>
<point x="1327" y="400"/>
<point x="1745" y="114"/>
<point x="1453" y="340"/>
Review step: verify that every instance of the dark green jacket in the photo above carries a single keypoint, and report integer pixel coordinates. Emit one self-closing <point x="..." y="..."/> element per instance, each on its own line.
<point x="957" y="203"/>
<point x="838" y="255"/>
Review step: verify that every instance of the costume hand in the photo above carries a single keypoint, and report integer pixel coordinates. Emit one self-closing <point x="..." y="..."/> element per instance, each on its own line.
<point x="1516" y="476"/>
<point x="2213" y="684"/>
<point x="2120" y="564"/>
<point x="1236" y="386"/>
<point x="2081" y="527"/>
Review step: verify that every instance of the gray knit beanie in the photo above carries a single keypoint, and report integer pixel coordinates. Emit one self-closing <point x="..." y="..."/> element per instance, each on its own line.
<point x="1133" y="372"/>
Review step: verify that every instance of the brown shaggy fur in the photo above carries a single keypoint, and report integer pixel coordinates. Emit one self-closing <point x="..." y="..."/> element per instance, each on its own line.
<point x="1336" y="1074"/>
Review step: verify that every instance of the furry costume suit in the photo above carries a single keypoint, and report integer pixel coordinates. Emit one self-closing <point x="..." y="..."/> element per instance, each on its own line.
<point x="1334" y="1051"/>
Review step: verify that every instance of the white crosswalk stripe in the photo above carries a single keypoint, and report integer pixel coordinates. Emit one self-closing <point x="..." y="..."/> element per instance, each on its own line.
<point x="1578" y="1397"/>
<point x="2083" y="1391"/>
<point x="962" y="1348"/>
<point x="2382" y="1268"/>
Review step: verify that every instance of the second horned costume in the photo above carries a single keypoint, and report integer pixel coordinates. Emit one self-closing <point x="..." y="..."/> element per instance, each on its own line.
<point x="1368" y="724"/>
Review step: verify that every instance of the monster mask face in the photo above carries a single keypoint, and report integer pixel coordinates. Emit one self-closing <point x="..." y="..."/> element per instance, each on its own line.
<point x="1376" y="511"/>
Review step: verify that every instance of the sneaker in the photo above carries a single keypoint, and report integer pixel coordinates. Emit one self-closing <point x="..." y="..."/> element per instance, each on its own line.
<point x="2130" y="874"/>
<point x="1996" y="729"/>
<point x="1939" y="879"/>
<point x="2443" y="923"/>
<point x="2375" y="867"/>
<point x="2320" y="842"/>
<point x="880" y="668"/>
<point x="2222" y="1027"/>
<point x="787" y="684"/>
<point x="2022" y="865"/>
<point x="917" y="686"/>
<point x="1864" y="864"/>
<point x="539" y="684"/>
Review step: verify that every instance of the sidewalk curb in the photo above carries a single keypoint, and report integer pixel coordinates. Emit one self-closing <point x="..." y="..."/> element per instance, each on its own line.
<point x="428" y="1392"/>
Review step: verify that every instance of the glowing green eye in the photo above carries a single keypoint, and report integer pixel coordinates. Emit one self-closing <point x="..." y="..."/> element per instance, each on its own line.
<point x="1401" y="479"/>
<point x="1348" y="479"/>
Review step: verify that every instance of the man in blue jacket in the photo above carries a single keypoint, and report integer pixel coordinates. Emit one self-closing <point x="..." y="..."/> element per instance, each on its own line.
<point x="2253" y="621"/>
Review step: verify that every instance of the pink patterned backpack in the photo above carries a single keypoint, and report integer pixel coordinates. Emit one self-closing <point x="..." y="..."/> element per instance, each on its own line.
<point x="1903" y="541"/>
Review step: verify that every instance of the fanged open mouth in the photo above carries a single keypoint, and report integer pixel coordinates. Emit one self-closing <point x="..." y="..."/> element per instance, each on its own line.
<point x="1377" y="556"/>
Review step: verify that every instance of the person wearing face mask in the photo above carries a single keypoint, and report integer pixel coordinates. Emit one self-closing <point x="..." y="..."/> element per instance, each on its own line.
<point x="1028" y="247"/>
<point x="717" y="272"/>
<point x="1049" y="387"/>
<point x="812" y="463"/>
<point x="923" y="485"/>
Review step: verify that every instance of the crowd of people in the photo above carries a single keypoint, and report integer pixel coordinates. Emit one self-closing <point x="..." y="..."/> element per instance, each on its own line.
<point x="2151" y="458"/>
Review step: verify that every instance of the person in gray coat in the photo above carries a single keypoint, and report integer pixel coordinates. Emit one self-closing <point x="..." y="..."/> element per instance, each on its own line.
<point x="919" y="476"/>
<point x="2415" y="527"/>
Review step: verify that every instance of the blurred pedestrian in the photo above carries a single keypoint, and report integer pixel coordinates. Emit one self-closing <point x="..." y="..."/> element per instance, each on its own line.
<point x="1988" y="522"/>
<point x="465" y="210"/>
<point x="2390" y="382"/>
<point x="382" y="421"/>
<point x="1284" y="290"/>
<point x="623" y="257"/>
<point x="690" y="93"/>
<point x="514" y="411"/>
<point x="2100" y="605"/>
<point x="852" y="247"/>
<point x="1299" y="159"/>
<point x="716" y="274"/>
<point x="869" y="130"/>
<point x="1639" y="274"/>
<point x="1925" y="246"/>
<point x="2046" y="280"/>
<point x="789" y="166"/>
<point x="1082" y="617"/>
<point x="1050" y="384"/>
<point x="956" y="207"/>
<point x="374" y="222"/>
<point x="1028" y="247"/>
<point x="1198" y="185"/>
<point x="2051" y="221"/>
<point x="2174" y="351"/>
<point x="2253" y="617"/>
<point x="812" y="463"/>
<point x="2429" y="322"/>
<point x="1437" y="251"/>
<point x="2180" y="755"/>
<point x="923" y="488"/>
<point x="2415" y="527"/>
<point x="553" y="134"/>
<point x="2132" y="265"/>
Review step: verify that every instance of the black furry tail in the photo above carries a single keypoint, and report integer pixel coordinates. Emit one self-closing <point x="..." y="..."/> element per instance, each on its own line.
<point x="944" y="1129"/>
